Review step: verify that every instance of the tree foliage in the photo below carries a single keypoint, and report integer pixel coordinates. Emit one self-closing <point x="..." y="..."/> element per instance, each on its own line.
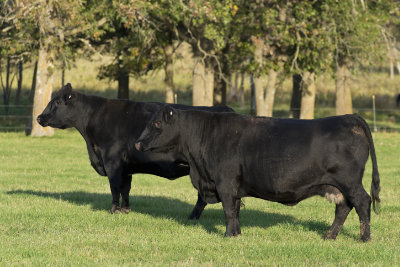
<point x="296" y="36"/>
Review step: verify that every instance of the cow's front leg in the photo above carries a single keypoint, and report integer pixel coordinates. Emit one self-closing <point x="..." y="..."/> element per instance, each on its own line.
<point x="115" y="185"/>
<point x="231" y="208"/>
<point x="114" y="172"/>
<point x="198" y="208"/>
<point x="126" y="188"/>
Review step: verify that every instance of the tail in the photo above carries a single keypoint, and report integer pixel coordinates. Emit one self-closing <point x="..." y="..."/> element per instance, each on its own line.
<point x="375" y="185"/>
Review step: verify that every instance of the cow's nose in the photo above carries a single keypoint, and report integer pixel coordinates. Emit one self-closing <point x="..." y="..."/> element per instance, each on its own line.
<point x="38" y="119"/>
<point x="138" y="145"/>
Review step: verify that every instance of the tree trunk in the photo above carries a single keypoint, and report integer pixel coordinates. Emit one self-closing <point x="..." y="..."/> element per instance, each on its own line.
<point x="42" y="96"/>
<point x="224" y="89"/>
<point x="236" y="86"/>
<point x="295" y="103"/>
<point x="258" y="79"/>
<point x="233" y="92"/>
<point x="203" y="83"/>
<point x="259" y="94"/>
<point x="307" y="95"/>
<point x="33" y="87"/>
<point x="7" y="89"/>
<point x="253" y="96"/>
<point x="28" y="127"/>
<point x="209" y="83"/>
<point x="169" y="74"/>
<point x="123" y="84"/>
<point x="19" y="87"/>
<point x="233" y="89"/>
<point x="391" y="67"/>
<point x="199" y="72"/>
<point x="241" y="90"/>
<point x="63" y="74"/>
<point x="343" y="94"/>
<point x="270" y="93"/>
<point x="221" y="84"/>
<point x="265" y="98"/>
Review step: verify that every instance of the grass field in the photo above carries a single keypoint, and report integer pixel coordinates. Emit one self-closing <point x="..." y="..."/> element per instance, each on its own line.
<point x="54" y="211"/>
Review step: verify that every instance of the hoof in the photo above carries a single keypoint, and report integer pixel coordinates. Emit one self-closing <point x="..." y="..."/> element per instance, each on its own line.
<point x="194" y="216"/>
<point x="125" y="210"/>
<point x="115" y="209"/>
<point x="329" y="237"/>
<point x="233" y="235"/>
<point x="366" y="239"/>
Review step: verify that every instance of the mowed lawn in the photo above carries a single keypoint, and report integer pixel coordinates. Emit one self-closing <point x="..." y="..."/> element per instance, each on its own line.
<point x="54" y="211"/>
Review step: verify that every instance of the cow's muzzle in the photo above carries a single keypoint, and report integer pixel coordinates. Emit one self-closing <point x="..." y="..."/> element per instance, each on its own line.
<point x="142" y="148"/>
<point x="139" y="146"/>
<point x="40" y="120"/>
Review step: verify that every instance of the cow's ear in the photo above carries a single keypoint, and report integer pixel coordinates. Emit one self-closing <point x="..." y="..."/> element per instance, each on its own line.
<point x="67" y="88"/>
<point x="168" y="113"/>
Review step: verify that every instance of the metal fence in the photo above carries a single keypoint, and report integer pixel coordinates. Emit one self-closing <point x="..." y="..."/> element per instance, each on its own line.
<point x="19" y="117"/>
<point x="15" y="117"/>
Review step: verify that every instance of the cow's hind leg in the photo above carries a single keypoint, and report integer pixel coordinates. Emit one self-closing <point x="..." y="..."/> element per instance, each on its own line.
<point x="362" y="203"/>
<point x="126" y="188"/>
<point x="198" y="208"/>
<point x="342" y="210"/>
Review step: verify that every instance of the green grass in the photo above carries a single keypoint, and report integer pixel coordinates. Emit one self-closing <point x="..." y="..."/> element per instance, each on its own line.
<point x="54" y="211"/>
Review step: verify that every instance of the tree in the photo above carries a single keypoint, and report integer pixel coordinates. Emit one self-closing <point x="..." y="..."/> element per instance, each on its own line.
<point x="116" y="38"/>
<point x="13" y="49"/>
<point x="205" y="25"/>
<point x="169" y="73"/>
<point x="270" y="52"/>
<point x="141" y="37"/>
<point x="49" y="27"/>
<point x="355" y="35"/>
<point x="390" y="32"/>
<point x="260" y="36"/>
<point x="310" y="53"/>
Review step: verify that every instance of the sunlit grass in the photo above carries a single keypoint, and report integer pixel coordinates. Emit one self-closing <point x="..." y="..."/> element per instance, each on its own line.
<point x="53" y="211"/>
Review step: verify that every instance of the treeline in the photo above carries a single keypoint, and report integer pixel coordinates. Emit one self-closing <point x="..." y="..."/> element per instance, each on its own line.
<point x="260" y="38"/>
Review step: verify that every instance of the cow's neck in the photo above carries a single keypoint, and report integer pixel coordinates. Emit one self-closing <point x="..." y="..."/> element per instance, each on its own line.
<point x="87" y="105"/>
<point x="196" y="133"/>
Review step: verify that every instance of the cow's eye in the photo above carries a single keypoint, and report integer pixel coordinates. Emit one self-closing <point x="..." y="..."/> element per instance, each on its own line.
<point x="157" y="124"/>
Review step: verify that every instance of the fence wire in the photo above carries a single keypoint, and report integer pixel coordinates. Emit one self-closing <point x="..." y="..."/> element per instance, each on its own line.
<point x="19" y="117"/>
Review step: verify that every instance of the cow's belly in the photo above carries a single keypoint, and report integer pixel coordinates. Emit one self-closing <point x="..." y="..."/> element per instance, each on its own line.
<point x="169" y="170"/>
<point x="282" y="181"/>
<point x="290" y="198"/>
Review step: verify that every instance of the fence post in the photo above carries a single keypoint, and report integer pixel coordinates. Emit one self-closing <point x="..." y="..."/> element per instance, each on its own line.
<point x="374" y="112"/>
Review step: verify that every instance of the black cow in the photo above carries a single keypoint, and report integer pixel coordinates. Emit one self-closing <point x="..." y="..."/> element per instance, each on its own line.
<point x="283" y="160"/>
<point x="110" y="128"/>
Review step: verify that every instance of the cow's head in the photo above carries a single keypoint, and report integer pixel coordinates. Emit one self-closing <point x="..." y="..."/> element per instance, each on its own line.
<point x="161" y="133"/>
<point x="60" y="112"/>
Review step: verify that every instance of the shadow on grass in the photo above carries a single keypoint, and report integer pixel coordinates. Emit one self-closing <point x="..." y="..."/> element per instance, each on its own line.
<point x="163" y="207"/>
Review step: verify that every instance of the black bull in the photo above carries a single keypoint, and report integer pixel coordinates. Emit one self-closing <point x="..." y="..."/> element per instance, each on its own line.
<point x="110" y="128"/>
<point x="283" y="160"/>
